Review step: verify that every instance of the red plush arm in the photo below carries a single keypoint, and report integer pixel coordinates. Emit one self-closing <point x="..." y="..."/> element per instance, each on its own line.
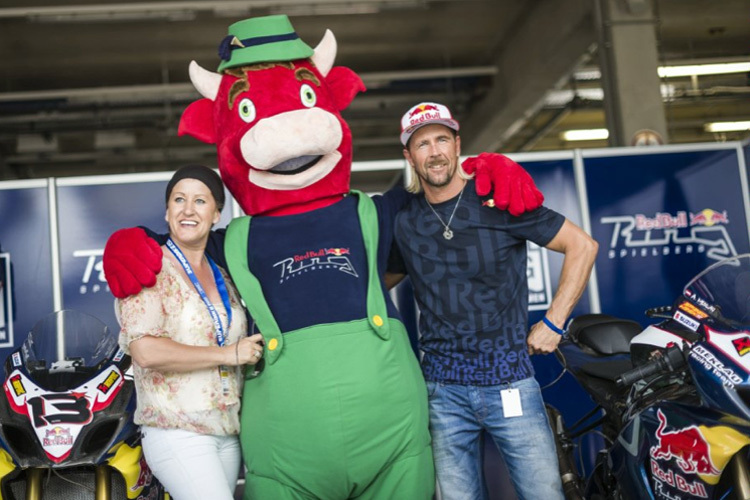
<point x="131" y="261"/>
<point x="514" y="189"/>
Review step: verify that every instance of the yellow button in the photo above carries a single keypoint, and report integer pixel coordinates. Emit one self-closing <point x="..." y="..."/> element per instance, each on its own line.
<point x="377" y="320"/>
<point x="273" y="344"/>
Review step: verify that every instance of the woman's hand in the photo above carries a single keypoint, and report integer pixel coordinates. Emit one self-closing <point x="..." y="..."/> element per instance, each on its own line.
<point x="248" y="350"/>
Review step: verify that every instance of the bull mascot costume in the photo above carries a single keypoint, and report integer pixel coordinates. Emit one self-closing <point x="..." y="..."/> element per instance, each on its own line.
<point x="339" y="409"/>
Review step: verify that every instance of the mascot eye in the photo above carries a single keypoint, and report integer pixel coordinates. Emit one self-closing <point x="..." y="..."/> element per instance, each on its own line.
<point x="307" y="96"/>
<point x="246" y="110"/>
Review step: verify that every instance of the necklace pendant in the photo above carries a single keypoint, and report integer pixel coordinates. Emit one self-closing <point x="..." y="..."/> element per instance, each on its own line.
<point x="447" y="234"/>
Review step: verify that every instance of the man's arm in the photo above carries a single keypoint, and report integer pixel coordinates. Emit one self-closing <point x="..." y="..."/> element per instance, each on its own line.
<point x="580" y="252"/>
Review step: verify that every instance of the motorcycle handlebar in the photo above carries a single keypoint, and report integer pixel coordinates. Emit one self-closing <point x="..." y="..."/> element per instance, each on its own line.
<point x="671" y="361"/>
<point x="659" y="312"/>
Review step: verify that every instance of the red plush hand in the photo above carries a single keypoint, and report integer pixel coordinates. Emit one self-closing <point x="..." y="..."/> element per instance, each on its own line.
<point x="514" y="189"/>
<point x="131" y="261"/>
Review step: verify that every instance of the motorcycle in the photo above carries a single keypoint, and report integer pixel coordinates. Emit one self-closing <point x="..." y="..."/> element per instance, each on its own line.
<point x="66" y="421"/>
<point x="672" y="400"/>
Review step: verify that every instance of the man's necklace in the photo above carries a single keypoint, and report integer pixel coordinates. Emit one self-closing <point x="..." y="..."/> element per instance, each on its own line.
<point x="447" y="233"/>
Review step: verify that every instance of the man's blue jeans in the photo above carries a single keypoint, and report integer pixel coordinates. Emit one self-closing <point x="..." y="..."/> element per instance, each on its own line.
<point x="459" y="414"/>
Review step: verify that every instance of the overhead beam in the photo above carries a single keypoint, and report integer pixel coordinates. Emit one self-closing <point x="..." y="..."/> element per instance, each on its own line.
<point x="541" y="53"/>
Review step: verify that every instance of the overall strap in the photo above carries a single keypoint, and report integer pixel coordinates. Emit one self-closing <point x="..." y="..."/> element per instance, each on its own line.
<point x="377" y="313"/>
<point x="235" y="251"/>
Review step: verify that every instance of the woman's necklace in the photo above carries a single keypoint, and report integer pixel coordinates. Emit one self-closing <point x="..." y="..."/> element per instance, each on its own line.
<point x="447" y="233"/>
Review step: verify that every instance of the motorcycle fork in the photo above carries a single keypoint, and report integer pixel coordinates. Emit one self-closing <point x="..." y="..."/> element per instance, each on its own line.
<point x="103" y="481"/>
<point x="739" y="467"/>
<point x="34" y="484"/>
<point x="34" y="478"/>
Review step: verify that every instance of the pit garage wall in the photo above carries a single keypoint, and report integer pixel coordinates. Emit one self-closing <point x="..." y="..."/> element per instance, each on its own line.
<point x="660" y="215"/>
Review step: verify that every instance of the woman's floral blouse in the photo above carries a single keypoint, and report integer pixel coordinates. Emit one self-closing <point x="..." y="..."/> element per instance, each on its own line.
<point x="192" y="401"/>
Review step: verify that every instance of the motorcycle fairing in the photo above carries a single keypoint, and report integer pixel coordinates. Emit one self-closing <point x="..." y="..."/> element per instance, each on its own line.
<point x="134" y="469"/>
<point x="720" y="372"/>
<point x="688" y="448"/>
<point x="734" y="345"/>
<point x="58" y="417"/>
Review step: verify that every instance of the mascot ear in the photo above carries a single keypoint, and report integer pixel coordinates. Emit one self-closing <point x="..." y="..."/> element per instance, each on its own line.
<point x="344" y="84"/>
<point x="198" y="121"/>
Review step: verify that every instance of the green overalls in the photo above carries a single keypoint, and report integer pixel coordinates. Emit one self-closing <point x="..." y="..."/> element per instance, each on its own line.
<point x="340" y="410"/>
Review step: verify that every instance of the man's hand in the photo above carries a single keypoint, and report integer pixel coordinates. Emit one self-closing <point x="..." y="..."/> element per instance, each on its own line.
<point x="542" y="340"/>
<point x="514" y="189"/>
<point x="131" y="261"/>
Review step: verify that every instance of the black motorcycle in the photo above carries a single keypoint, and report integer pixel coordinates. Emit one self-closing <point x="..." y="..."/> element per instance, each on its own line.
<point x="672" y="401"/>
<point x="66" y="421"/>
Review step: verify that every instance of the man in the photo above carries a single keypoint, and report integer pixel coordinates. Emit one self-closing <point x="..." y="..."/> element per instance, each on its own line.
<point x="467" y="263"/>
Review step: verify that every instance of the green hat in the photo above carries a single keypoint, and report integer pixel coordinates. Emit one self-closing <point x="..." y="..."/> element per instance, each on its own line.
<point x="261" y="39"/>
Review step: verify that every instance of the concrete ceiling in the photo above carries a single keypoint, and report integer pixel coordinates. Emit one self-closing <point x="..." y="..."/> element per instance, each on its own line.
<point x="97" y="87"/>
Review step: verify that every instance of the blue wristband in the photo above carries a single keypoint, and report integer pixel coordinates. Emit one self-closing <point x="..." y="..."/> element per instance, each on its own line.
<point x="552" y="326"/>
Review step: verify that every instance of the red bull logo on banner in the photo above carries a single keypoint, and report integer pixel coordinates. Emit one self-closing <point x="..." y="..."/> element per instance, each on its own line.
<point x="667" y="234"/>
<point x="708" y="218"/>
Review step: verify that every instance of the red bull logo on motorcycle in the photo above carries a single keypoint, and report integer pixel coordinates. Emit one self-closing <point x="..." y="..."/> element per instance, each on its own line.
<point x="687" y="446"/>
<point x="708" y="218"/>
<point x="665" y="476"/>
<point x="145" y="476"/>
<point x="57" y="436"/>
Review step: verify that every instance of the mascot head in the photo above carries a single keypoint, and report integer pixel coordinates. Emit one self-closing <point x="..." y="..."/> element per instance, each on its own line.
<point x="273" y="111"/>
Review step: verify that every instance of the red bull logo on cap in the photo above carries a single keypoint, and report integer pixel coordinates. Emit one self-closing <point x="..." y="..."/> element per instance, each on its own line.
<point x="422" y="108"/>
<point x="708" y="218"/>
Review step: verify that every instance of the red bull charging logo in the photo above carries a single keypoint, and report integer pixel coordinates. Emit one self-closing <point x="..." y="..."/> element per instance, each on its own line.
<point x="708" y="218"/>
<point x="422" y="109"/>
<point x="687" y="446"/>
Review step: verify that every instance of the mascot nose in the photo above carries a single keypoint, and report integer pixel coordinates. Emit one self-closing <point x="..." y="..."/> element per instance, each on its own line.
<point x="289" y="135"/>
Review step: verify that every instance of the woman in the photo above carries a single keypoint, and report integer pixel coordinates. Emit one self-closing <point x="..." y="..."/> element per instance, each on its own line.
<point x="187" y="338"/>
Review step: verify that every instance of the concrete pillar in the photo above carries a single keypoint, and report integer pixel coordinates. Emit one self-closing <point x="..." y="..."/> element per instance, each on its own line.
<point x="629" y="59"/>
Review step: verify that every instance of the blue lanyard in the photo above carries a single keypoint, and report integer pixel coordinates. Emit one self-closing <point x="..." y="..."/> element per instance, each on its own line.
<point x="221" y="286"/>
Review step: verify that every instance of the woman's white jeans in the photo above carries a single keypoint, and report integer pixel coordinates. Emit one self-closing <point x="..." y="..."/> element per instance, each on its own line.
<point x="191" y="465"/>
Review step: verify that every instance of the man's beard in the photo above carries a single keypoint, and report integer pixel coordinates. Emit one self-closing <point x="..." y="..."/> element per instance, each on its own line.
<point x="428" y="179"/>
